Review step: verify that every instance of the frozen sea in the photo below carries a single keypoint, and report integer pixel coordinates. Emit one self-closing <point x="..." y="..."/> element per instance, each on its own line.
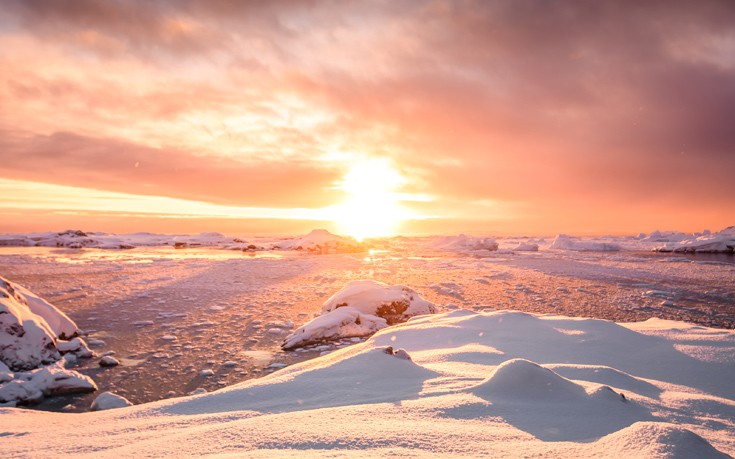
<point x="182" y="320"/>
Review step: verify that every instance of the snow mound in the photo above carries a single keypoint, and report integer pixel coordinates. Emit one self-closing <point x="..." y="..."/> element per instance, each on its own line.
<point x="346" y="377"/>
<point x="321" y="241"/>
<point x="360" y="308"/>
<point x="520" y="379"/>
<point x="657" y="440"/>
<point x="109" y="401"/>
<point x="564" y="242"/>
<point x="432" y="397"/>
<point x="463" y="243"/>
<point x="722" y="242"/>
<point x="525" y="247"/>
<point x="341" y="323"/>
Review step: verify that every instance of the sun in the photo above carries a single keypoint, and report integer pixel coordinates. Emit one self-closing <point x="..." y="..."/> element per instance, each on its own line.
<point x="372" y="207"/>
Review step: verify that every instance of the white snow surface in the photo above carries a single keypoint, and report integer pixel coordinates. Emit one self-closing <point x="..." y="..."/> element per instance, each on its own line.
<point x="109" y="401"/>
<point x="60" y="324"/>
<point x="565" y="242"/>
<point x="26" y="338"/>
<point x="32" y="386"/>
<point x="369" y="296"/>
<point x="344" y="322"/>
<point x="477" y="384"/>
<point x="360" y="308"/>
<point x="29" y="330"/>
<point x="722" y="242"/>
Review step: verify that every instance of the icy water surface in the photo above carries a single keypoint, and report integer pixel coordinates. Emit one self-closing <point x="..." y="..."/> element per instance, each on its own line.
<point x="202" y="319"/>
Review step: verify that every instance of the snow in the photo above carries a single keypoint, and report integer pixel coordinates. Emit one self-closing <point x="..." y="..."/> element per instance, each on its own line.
<point x="360" y="308"/>
<point x="490" y="384"/>
<point x="59" y="323"/>
<point x="565" y="242"/>
<point x="32" y="386"/>
<point x="26" y="338"/>
<point x="343" y="322"/>
<point x="29" y="330"/>
<point x="721" y="242"/>
<point x="321" y="241"/>
<point x="463" y="243"/>
<point x="317" y="241"/>
<point x="526" y="247"/>
<point x="462" y="383"/>
<point x="109" y="401"/>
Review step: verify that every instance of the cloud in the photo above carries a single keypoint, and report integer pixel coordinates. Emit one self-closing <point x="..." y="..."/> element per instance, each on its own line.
<point x="559" y="106"/>
<point x="108" y="164"/>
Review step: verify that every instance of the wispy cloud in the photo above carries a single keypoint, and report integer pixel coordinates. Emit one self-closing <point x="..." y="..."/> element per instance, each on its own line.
<point x="555" y="108"/>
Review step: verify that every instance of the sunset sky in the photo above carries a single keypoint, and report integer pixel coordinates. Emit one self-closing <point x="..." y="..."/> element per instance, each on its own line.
<point x="496" y="117"/>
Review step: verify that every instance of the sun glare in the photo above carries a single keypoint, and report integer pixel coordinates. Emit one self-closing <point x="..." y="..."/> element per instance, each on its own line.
<point x="372" y="207"/>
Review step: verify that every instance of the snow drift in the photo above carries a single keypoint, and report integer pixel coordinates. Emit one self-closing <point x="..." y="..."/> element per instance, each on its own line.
<point x="488" y="384"/>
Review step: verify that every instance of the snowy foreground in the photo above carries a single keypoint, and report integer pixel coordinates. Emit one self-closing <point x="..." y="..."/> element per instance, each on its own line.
<point x="188" y="314"/>
<point x="458" y="384"/>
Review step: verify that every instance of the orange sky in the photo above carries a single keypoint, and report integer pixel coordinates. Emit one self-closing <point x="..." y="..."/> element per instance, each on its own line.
<point x="522" y="117"/>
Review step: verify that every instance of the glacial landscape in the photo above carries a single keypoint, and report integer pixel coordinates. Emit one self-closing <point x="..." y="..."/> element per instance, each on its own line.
<point x="367" y="229"/>
<point x="563" y="345"/>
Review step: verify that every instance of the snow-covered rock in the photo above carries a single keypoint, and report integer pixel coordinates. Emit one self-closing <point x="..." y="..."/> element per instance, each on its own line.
<point x="722" y="242"/>
<point x="321" y="241"/>
<point x="59" y="323"/>
<point x="26" y="339"/>
<point x="77" y="239"/>
<point x="564" y="242"/>
<point x="394" y="303"/>
<point x="28" y="387"/>
<point x="109" y="401"/>
<point x="360" y="308"/>
<point x="463" y="243"/>
<point x="75" y="346"/>
<point x="341" y="323"/>
<point x="526" y="247"/>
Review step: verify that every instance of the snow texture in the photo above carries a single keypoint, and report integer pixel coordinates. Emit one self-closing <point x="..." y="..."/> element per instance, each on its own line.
<point x="490" y="384"/>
